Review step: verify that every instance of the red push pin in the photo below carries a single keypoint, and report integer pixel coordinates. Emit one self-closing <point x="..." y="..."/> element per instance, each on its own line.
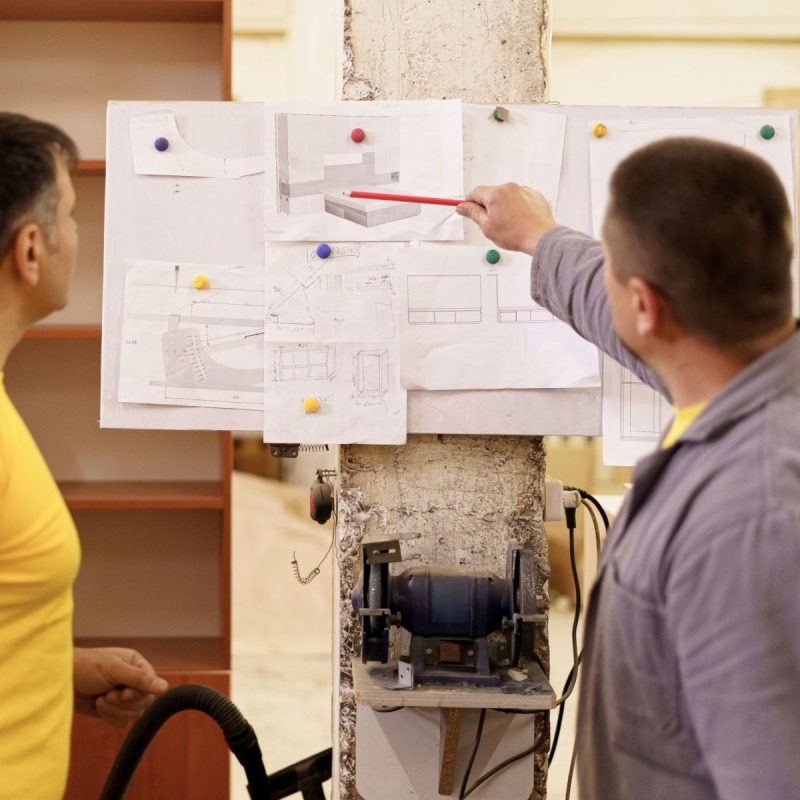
<point x="358" y="135"/>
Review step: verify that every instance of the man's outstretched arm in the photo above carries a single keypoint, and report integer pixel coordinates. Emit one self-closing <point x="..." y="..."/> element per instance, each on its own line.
<point x="567" y="266"/>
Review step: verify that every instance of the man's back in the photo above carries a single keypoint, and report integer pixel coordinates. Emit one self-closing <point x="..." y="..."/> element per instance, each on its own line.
<point x="692" y="660"/>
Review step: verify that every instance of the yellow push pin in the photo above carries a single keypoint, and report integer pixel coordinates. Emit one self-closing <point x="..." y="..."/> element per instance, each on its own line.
<point x="200" y="281"/>
<point x="310" y="405"/>
<point x="599" y="130"/>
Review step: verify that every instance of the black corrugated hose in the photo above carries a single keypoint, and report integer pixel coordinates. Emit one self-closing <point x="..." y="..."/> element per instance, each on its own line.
<point x="238" y="732"/>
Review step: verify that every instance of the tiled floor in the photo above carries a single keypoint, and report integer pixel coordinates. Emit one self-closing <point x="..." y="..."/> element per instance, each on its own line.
<point x="282" y="631"/>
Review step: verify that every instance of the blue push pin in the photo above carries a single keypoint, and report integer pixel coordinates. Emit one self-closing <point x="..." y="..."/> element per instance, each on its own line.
<point x="324" y="250"/>
<point x="161" y="144"/>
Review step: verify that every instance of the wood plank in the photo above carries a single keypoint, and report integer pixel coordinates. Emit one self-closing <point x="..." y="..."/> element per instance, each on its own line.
<point x="187" y="760"/>
<point x="449" y="729"/>
<point x="63" y="332"/>
<point x="174" y="654"/>
<point x="143" y="494"/>
<point x="370" y="688"/>
<point x="114" y="10"/>
<point x="92" y="166"/>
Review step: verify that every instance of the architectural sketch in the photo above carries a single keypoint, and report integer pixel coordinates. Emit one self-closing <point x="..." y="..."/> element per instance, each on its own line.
<point x="304" y="363"/>
<point x="159" y="148"/>
<point x="634" y="415"/>
<point x="356" y="385"/>
<point x="465" y="324"/>
<point x="320" y="152"/>
<point x="349" y="296"/>
<point x="371" y="374"/>
<point x="182" y="345"/>
<point x="317" y="160"/>
<point x="512" y="298"/>
<point x="644" y="413"/>
<point x="444" y="299"/>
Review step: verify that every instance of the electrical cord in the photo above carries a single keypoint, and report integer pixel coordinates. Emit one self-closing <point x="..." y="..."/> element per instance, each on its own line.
<point x="592" y="499"/>
<point x="462" y="793"/>
<point x="570" y="515"/>
<point x="571" y="680"/>
<point x="503" y="764"/>
<point x="596" y="527"/>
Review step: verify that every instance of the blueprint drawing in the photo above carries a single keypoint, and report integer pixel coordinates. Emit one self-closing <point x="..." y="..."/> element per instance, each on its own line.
<point x="466" y="324"/>
<point x="189" y="345"/>
<point x="317" y="152"/>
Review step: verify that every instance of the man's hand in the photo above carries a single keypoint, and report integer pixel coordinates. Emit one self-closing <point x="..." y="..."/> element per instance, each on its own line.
<point x="114" y="683"/>
<point x="514" y="217"/>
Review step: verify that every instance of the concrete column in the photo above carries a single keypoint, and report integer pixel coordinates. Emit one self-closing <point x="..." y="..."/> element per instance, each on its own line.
<point x="465" y="495"/>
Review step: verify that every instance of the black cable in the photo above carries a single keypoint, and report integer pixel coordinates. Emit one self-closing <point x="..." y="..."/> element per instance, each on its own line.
<point x="570" y="514"/>
<point x="503" y="764"/>
<point x="560" y="717"/>
<point x="594" y="501"/>
<point x="390" y="710"/>
<point x="478" y="733"/>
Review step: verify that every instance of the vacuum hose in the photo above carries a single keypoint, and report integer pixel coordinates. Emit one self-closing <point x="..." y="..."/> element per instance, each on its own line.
<point x="238" y="732"/>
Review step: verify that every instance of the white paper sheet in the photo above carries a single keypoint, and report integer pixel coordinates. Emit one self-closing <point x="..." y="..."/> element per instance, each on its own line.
<point x="412" y="147"/>
<point x="187" y="346"/>
<point x="332" y="332"/>
<point x="350" y="296"/>
<point x="527" y="148"/>
<point x="175" y="156"/>
<point x="467" y="324"/>
<point x="634" y="416"/>
<point x="625" y="136"/>
<point x="357" y="386"/>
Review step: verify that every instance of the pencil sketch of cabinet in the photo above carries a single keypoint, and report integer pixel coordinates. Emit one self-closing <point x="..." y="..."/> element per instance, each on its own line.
<point x="371" y="374"/>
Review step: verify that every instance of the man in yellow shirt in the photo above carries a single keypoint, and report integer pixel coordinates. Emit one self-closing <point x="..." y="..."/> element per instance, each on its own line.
<point x="42" y="677"/>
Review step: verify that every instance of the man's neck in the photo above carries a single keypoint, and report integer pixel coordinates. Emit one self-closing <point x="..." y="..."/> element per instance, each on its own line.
<point x="12" y="329"/>
<point x="695" y="371"/>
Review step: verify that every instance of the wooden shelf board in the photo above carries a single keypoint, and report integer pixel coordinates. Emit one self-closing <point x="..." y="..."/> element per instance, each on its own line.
<point x="96" y="166"/>
<point x="144" y="495"/>
<point x="178" y="654"/>
<point x="64" y="332"/>
<point x="115" y="10"/>
<point x="370" y="684"/>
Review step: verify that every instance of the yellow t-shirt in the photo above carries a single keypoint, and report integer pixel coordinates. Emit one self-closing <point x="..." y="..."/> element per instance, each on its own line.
<point x="683" y="418"/>
<point x="39" y="558"/>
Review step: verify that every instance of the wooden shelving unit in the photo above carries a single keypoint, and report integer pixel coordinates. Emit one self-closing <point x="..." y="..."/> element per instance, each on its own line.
<point x="152" y="507"/>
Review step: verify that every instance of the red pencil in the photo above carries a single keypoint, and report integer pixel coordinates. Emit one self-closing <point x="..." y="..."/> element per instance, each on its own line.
<point x="405" y="198"/>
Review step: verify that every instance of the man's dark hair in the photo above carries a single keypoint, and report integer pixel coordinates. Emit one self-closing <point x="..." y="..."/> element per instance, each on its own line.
<point x="28" y="191"/>
<point x="709" y="226"/>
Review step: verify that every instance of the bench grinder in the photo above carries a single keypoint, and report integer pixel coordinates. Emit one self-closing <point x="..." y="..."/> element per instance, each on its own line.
<point x="466" y="623"/>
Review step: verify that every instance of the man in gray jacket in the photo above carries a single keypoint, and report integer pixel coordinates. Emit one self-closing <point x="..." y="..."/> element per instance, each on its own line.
<point x="691" y="682"/>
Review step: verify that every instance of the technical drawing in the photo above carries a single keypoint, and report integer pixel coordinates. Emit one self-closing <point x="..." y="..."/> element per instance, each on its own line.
<point x="513" y="301"/>
<point x="317" y="162"/>
<point x="644" y="413"/>
<point x="188" y="363"/>
<point x="444" y="299"/>
<point x="186" y="346"/>
<point x="371" y="374"/>
<point x="304" y="363"/>
<point x="331" y="300"/>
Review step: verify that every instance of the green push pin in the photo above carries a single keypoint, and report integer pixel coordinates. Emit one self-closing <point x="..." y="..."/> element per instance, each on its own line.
<point x="500" y="114"/>
<point x="766" y="132"/>
<point x="492" y="256"/>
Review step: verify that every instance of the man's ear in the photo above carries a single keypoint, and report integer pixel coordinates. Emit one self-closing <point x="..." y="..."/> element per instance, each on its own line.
<point x="647" y="305"/>
<point x="28" y="250"/>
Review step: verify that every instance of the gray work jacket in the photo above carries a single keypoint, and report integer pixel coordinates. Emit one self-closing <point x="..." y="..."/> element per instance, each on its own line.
<point x="691" y="672"/>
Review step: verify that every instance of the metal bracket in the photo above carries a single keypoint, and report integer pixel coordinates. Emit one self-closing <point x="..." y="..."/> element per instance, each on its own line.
<point x="386" y="552"/>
